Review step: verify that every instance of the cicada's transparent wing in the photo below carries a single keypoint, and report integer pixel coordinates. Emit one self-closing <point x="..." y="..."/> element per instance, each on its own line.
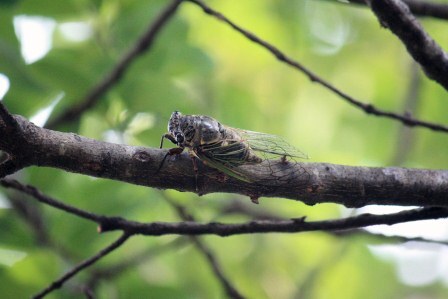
<point x="271" y="145"/>
<point x="279" y="159"/>
<point x="275" y="159"/>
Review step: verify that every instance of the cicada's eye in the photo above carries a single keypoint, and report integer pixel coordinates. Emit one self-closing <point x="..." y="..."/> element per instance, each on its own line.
<point x="179" y="138"/>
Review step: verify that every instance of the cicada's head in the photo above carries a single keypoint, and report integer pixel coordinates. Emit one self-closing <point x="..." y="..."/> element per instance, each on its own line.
<point x="174" y="127"/>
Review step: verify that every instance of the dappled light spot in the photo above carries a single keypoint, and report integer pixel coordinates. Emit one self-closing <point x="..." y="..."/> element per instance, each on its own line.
<point x="41" y="117"/>
<point x="35" y="34"/>
<point x="76" y="31"/>
<point x="4" y="85"/>
<point x="10" y="257"/>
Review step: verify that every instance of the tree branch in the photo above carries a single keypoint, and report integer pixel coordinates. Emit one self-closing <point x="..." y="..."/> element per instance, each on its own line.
<point x="142" y="45"/>
<point x="10" y="166"/>
<point x="367" y="108"/>
<point x="258" y="213"/>
<point x="310" y="183"/>
<point x="420" y="8"/>
<point x="396" y="15"/>
<point x="387" y="238"/>
<point x="11" y="140"/>
<point x="274" y="226"/>
<point x="9" y="120"/>
<point x="222" y="229"/>
<point x="88" y="262"/>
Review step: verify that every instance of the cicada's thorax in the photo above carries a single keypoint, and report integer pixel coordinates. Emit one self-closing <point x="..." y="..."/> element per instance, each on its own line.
<point x="200" y="132"/>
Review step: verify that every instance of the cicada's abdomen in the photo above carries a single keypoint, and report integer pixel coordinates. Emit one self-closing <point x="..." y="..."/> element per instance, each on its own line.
<point x="236" y="149"/>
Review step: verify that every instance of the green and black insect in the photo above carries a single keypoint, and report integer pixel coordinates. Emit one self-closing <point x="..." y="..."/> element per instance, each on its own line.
<point x="223" y="147"/>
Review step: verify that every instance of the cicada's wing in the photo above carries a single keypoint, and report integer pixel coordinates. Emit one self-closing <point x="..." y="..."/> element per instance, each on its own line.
<point x="230" y="152"/>
<point x="279" y="159"/>
<point x="240" y="147"/>
<point x="225" y="156"/>
<point x="271" y="145"/>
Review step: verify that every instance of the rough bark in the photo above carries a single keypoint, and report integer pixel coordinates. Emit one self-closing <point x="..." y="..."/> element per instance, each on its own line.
<point x="311" y="183"/>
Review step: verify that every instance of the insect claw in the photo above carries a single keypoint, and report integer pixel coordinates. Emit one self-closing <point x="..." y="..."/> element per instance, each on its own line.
<point x="171" y="152"/>
<point x="222" y="177"/>
<point x="254" y="199"/>
<point x="283" y="159"/>
<point x="299" y="220"/>
<point x="161" y="163"/>
<point x="196" y="171"/>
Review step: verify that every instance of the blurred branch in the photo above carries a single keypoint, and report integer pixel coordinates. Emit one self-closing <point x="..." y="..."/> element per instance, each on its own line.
<point x="34" y="192"/>
<point x="85" y="264"/>
<point x="142" y="45"/>
<point x="367" y="108"/>
<point x="255" y="212"/>
<point x="229" y="288"/>
<point x="308" y="286"/>
<point x="112" y="271"/>
<point x="405" y="136"/>
<point x="32" y="215"/>
<point x="395" y="15"/>
<point x="311" y="183"/>
<point x="221" y="229"/>
<point x="420" y="8"/>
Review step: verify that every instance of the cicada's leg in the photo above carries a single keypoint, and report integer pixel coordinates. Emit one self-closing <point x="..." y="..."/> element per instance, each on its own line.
<point x="283" y="159"/>
<point x="196" y="171"/>
<point x="169" y="137"/>
<point x="171" y="152"/>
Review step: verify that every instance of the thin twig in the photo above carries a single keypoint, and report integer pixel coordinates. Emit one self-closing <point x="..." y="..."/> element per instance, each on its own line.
<point x="274" y="226"/>
<point x="238" y="207"/>
<point x="405" y="137"/>
<point x="88" y="262"/>
<point x="251" y="210"/>
<point x="142" y="45"/>
<point x="222" y="229"/>
<point x="367" y="108"/>
<point x="112" y="271"/>
<point x="32" y="215"/>
<point x="395" y="15"/>
<point x="227" y="285"/>
<point x="391" y="238"/>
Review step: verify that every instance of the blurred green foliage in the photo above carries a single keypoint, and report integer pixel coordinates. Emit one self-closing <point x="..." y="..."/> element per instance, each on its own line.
<point x="198" y="65"/>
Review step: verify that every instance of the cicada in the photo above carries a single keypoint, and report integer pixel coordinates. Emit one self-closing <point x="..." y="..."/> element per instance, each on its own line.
<point x="227" y="149"/>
